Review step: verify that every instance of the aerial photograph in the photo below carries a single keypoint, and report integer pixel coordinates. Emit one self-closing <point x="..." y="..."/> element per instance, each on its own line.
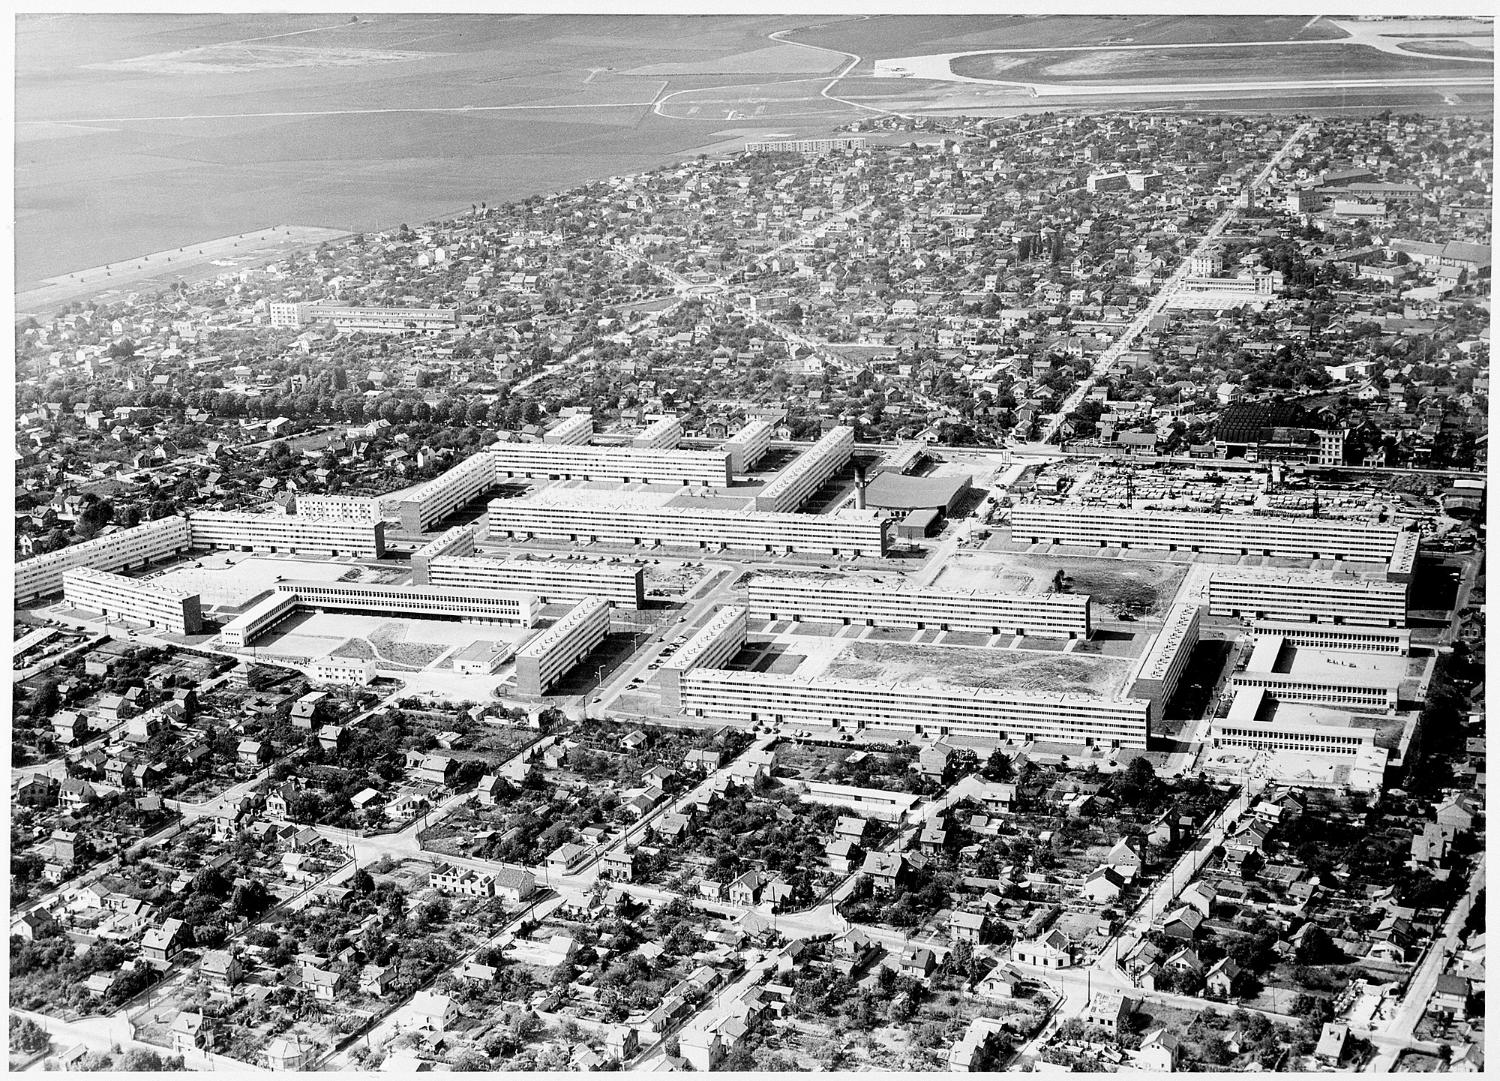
<point x="837" y="542"/>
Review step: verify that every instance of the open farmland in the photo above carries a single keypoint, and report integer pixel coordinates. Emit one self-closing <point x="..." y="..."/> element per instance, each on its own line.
<point x="906" y="33"/>
<point x="927" y="667"/>
<point x="1247" y="63"/>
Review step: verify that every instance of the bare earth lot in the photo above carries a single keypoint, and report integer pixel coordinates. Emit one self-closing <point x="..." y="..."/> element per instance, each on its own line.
<point x="1014" y="670"/>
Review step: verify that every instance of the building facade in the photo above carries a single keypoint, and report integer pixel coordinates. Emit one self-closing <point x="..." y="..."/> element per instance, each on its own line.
<point x="1050" y="615"/>
<point x="620" y="465"/>
<point x="175" y="611"/>
<point x="748" y="445"/>
<point x="42" y="575"/>
<point x="348" y="508"/>
<point x="664" y="433"/>
<point x="573" y="431"/>
<point x="549" y="656"/>
<point x="714" y="645"/>
<point x="1235" y="534"/>
<point x="1166" y="657"/>
<point x="293" y="533"/>
<point x="453" y="543"/>
<point x="571" y="579"/>
<point x="795" y="484"/>
<point x="1308" y="598"/>
<point x="444" y="494"/>
<point x="760" y="697"/>
<point x="584" y="517"/>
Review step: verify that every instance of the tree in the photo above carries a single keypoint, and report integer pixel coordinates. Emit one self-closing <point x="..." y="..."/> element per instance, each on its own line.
<point x="27" y="1037"/>
<point x="998" y="767"/>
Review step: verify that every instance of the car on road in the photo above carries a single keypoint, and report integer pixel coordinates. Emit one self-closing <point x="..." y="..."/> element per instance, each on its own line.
<point x="653" y="666"/>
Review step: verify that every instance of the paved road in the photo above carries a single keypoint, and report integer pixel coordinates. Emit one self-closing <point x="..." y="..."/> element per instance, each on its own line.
<point x="1400" y="1029"/>
<point x="1169" y="289"/>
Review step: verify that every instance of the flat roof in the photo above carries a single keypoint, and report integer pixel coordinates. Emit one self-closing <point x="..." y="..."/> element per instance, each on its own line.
<point x="897" y="491"/>
<point x="1314" y="662"/>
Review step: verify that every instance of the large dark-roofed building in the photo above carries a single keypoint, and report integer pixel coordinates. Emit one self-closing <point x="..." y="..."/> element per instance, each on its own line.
<point x="1242" y="423"/>
<point x="897" y="492"/>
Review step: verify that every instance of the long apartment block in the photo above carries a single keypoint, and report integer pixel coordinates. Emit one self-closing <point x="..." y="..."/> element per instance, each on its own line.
<point x="1047" y="615"/>
<point x="1337" y="600"/>
<point x="584" y="517"/>
<point x="620" y="583"/>
<point x="458" y="541"/>
<point x="352" y="508"/>
<point x="760" y="697"/>
<point x="292" y="533"/>
<point x="576" y="429"/>
<point x="1233" y="534"/>
<point x="1166" y="658"/>
<point x="1328" y="636"/>
<point x="442" y="495"/>
<point x="470" y="605"/>
<point x="748" y="445"/>
<point x="663" y="433"/>
<point x="795" y="484"/>
<point x="42" y="575"/>
<point x="618" y="465"/>
<point x="549" y="656"/>
<point x="176" y="611"/>
<point x="712" y="646"/>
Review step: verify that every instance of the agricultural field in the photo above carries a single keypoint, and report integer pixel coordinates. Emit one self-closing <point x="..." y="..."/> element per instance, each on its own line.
<point x="1205" y="64"/>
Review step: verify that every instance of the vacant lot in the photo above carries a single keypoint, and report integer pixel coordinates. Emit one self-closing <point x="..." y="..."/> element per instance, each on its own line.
<point x="990" y="669"/>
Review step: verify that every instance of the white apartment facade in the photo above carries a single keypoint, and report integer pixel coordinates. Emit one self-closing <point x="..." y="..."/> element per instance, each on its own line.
<point x="1328" y="636"/>
<point x="664" y="433"/>
<point x="175" y="611"/>
<point x="714" y="645"/>
<point x="444" y="494"/>
<point x="620" y="465"/>
<point x="456" y="542"/>
<point x="1051" y="615"/>
<point x="748" y="445"/>
<point x="620" y="583"/>
<point x="572" y="431"/>
<point x="895" y="709"/>
<point x="1161" y="666"/>
<point x="347" y="508"/>
<point x="1337" y="600"/>
<point x="294" y="533"/>
<point x="584" y="517"/>
<point x="549" y="656"/>
<point x="42" y="575"/>
<point x="1234" y="534"/>
<point x="377" y="319"/>
<point x="795" y="484"/>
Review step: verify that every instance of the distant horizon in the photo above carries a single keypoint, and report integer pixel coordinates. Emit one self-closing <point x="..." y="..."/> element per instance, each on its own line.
<point x="141" y="133"/>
